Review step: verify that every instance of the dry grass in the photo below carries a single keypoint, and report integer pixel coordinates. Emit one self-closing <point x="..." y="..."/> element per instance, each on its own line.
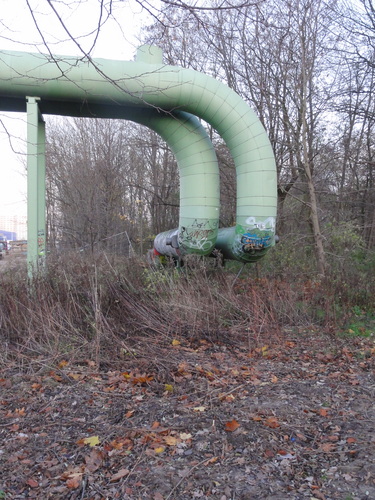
<point x="98" y="308"/>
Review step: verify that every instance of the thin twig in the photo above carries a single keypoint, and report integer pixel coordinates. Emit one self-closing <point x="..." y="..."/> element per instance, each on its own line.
<point x="84" y="484"/>
<point x="238" y="274"/>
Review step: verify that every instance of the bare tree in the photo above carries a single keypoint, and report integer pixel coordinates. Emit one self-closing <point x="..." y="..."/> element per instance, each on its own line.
<point x="309" y="82"/>
<point x="108" y="178"/>
<point x="355" y="107"/>
<point x="274" y="56"/>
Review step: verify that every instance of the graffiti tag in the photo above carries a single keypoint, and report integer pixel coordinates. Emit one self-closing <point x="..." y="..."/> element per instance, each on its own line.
<point x="200" y="236"/>
<point x="251" y="241"/>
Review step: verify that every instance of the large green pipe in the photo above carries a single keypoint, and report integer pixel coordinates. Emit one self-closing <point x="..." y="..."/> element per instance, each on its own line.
<point x="63" y="82"/>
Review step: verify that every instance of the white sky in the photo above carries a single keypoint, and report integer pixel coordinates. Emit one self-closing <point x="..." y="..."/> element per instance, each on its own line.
<point x="117" y="40"/>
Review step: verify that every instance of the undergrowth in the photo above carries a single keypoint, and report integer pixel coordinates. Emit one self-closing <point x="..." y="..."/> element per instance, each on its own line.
<point x="104" y="309"/>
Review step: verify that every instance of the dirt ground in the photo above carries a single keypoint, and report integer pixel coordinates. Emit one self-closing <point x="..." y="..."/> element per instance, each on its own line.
<point x="292" y="419"/>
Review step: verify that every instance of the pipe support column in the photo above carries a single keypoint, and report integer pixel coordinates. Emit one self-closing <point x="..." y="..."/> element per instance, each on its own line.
<point x="36" y="175"/>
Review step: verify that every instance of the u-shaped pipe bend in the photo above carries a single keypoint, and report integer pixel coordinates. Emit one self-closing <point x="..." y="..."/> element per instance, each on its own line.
<point x="103" y="88"/>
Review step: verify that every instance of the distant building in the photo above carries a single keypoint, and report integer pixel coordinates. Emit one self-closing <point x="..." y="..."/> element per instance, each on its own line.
<point x="7" y="236"/>
<point x="14" y="225"/>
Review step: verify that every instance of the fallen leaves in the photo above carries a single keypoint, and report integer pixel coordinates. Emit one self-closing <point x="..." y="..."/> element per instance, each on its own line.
<point x="134" y="378"/>
<point x="231" y="426"/>
<point x="73" y="483"/>
<point x="327" y="447"/>
<point x="280" y="411"/>
<point x="271" y="422"/>
<point x="119" y="475"/>
<point x="159" y="449"/>
<point x="32" y="483"/>
<point x="95" y="460"/>
<point x="6" y="383"/>
<point x="323" y="412"/>
<point x="171" y="440"/>
<point x="185" y="436"/>
<point x="141" y="379"/>
<point x="268" y="421"/>
<point x="119" y="443"/>
<point x="91" y="441"/>
<point x="73" y="477"/>
<point x="199" y="409"/>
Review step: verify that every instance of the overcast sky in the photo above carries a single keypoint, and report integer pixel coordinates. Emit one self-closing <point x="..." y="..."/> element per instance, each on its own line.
<point x="117" y="40"/>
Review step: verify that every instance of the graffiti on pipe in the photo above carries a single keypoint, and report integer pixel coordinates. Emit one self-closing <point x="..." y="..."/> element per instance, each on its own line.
<point x="41" y="243"/>
<point x="257" y="236"/>
<point x="268" y="224"/>
<point x="253" y="241"/>
<point x="199" y="236"/>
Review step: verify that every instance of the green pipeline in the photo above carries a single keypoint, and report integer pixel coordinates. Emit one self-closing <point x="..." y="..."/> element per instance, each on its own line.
<point x="100" y="88"/>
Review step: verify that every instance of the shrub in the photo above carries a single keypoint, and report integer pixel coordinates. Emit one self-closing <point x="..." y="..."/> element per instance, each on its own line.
<point x="98" y="307"/>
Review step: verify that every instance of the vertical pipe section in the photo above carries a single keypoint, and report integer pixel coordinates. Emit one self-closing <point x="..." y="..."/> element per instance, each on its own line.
<point x="199" y="180"/>
<point x="32" y="184"/>
<point x="35" y="186"/>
